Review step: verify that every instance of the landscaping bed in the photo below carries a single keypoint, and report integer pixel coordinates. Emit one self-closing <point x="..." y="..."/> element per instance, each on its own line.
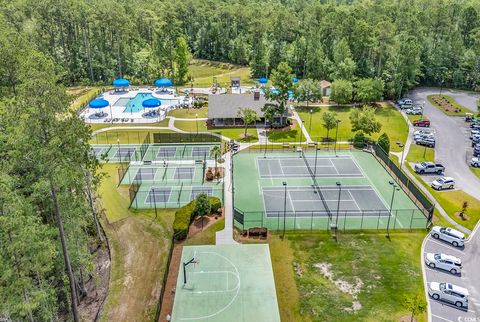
<point x="447" y="105"/>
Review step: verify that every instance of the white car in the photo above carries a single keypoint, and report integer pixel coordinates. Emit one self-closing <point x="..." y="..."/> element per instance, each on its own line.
<point x="442" y="261"/>
<point x="475" y="162"/>
<point x="414" y="111"/>
<point x="443" y="183"/>
<point x="449" y="292"/>
<point x="454" y="237"/>
<point x="474" y="133"/>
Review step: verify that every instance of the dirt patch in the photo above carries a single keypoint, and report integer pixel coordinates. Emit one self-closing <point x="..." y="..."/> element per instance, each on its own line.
<point x="407" y="318"/>
<point x="170" y="285"/>
<point x="138" y="248"/>
<point x="343" y="286"/>
<point x="444" y="104"/>
<point x="96" y="286"/>
<point x="213" y="173"/>
<point x="463" y="217"/>
<point x="201" y="224"/>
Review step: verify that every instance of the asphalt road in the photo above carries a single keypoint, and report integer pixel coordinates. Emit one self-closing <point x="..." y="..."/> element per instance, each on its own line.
<point x="469" y="279"/>
<point x="453" y="148"/>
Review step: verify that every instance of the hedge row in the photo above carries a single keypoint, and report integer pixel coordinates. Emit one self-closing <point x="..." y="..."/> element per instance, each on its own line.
<point x="184" y="217"/>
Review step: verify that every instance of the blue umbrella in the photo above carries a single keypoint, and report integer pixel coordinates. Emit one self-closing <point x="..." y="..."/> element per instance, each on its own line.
<point x="121" y="82"/>
<point x="263" y="80"/>
<point x="295" y="80"/>
<point x="98" y="103"/>
<point x="151" y="103"/>
<point x="163" y="82"/>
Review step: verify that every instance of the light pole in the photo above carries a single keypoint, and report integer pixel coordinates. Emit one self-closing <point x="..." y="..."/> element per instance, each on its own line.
<point x="395" y="188"/>
<point x="196" y="122"/>
<point x="339" y="185"/>
<point x="316" y="154"/>
<point x="111" y="115"/>
<point x="310" y="126"/>
<point x="284" y="208"/>
<point x="336" y="137"/>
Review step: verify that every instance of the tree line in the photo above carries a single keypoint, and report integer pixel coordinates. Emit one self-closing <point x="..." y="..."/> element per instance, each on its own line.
<point x="49" y="228"/>
<point x="403" y="43"/>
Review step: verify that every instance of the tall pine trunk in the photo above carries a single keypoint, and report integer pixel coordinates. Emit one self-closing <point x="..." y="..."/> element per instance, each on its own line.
<point x="66" y="256"/>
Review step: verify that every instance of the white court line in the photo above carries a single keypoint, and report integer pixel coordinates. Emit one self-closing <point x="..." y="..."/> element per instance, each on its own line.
<point x="234" y="297"/>
<point x="333" y="165"/>
<point x="290" y="201"/>
<point x="355" y="201"/>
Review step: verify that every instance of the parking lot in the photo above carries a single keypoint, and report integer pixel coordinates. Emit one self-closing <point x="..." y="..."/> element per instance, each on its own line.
<point x="469" y="278"/>
<point x="452" y="145"/>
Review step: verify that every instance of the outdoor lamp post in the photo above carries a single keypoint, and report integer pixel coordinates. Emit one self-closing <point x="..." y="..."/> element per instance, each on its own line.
<point x="111" y="115"/>
<point x="284" y="208"/>
<point x="336" y="138"/>
<point x="310" y="126"/>
<point x="316" y="154"/>
<point x="395" y="188"/>
<point x="339" y="185"/>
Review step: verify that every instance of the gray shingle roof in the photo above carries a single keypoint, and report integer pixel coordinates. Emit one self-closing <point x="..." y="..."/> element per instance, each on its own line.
<point x="227" y="105"/>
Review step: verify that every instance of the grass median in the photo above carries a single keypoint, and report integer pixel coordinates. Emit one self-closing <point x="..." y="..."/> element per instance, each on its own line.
<point x="448" y="105"/>
<point x="362" y="277"/>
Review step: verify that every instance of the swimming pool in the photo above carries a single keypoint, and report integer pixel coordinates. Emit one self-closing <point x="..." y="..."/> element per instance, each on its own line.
<point x="133" y="105"/>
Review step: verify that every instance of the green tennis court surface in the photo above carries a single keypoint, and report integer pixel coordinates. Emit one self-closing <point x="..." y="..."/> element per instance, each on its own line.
<point x="229" y="283"/>
<point x="351" y="190"/>
<point x="152" y="152"/>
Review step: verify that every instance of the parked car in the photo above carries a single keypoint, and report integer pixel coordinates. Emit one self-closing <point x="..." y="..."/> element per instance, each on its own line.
<point x="425" y="141"/>
<point x="442" y="261"/>
<point x="475" y="126"/>
<point x="449" y="293"/>
<point x="414" y="111"/>
<point x="430" y="136"/>
<point x="476" y="150"/>
<point x="470" y="118"/>
<point x="403" y="100"/>
<point x="475" y="162"/>
<point x="429" y="167"/>
<point x="453" y="236"/>
<point x="475" y="140"/>
<point x="423" y="131"/>
<point x="473" y="133"/>
<point x="443" y="183"/>
<point x="421" y="123"/>
<point x="406" y="106"/>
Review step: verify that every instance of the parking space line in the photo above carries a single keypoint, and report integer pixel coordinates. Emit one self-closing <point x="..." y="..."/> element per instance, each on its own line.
<point x="441" y="318"/>
<point x="446" y="246"/>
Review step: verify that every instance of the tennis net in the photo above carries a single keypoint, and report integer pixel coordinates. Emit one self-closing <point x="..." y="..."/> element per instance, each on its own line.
<point x="316" y="186"/>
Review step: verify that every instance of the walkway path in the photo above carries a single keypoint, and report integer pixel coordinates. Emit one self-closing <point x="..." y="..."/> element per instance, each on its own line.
<point x="304" y="130"/>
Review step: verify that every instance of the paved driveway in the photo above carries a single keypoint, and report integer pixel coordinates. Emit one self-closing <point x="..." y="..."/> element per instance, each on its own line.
<point x="452" y="141"/>
<point x="469" y="279"/>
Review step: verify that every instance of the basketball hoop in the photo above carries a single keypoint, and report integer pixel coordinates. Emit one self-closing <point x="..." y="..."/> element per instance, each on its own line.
<point x="193" y="261"/>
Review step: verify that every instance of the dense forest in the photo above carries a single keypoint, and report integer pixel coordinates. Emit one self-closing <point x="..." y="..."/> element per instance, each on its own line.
<point x="404" y="42"/>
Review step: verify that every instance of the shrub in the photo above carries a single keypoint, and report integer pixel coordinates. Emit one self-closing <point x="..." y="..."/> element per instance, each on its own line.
<point x="202" y="205"/>
<point x="384" y="142"/>
<point x="184" y="216"/>
<point x="215" y="204"/>
<point x="359" y="140"/>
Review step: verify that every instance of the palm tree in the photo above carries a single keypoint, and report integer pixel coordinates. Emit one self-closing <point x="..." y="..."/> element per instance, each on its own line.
<point x="216" y="153"/>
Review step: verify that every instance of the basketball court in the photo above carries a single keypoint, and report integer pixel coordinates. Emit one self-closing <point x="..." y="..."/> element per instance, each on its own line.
<point x="219" y="283"/>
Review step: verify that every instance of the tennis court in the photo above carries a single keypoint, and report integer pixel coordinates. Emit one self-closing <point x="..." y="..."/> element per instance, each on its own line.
<point x="219" y="283"/>
<point x="323" y="166"/>
<point x="302" y="201"/>
<point x="152" y="152"/>
<point x="165" y="173"/>
<point x="315" y="189"/>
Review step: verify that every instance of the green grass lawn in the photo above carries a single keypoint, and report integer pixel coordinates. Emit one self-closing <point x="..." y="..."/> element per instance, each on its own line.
<point x="82" y="95"/>
<point x="381" y="272"/>
<point x="462" y="109"/>
<point x="125" y="136"/>
<point x="452" y="200"/>
<point x="206" y="237"/>
<point x="162" y="123"/>
<point x="418" y="153"/>
<point x="203" y="72"/>
<point x="139" y="243"/>
<point x="233" y="133"/>
<point x="283" y="135"/>
<point x="189" y="113"/>
<point x="476" y="171"/>
<point x="392" y="123"/>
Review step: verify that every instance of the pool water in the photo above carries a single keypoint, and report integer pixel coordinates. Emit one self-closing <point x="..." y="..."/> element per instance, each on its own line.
<point x="135" y="104"/>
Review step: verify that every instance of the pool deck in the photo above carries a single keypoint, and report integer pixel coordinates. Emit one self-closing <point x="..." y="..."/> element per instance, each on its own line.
<point x="169" y="100"/>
